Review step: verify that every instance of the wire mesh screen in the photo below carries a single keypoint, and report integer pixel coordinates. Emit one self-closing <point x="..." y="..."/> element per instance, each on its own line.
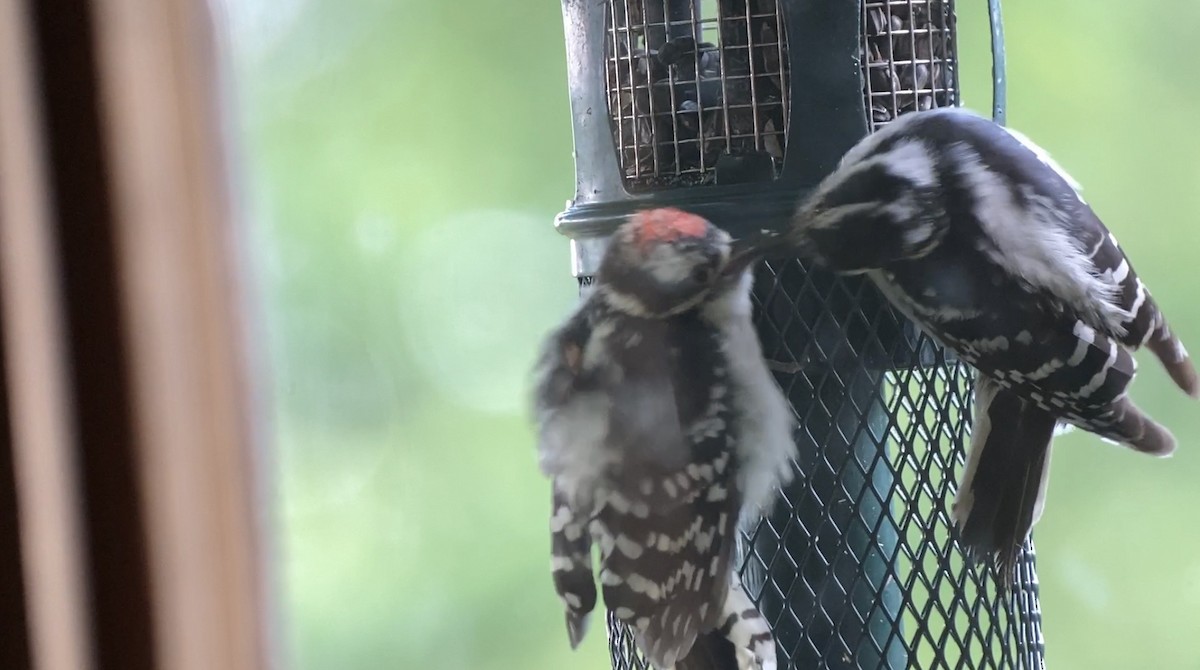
<point x="857" y="566"/>
<point x="907" y="52"/>
<point x="693" y="83"/>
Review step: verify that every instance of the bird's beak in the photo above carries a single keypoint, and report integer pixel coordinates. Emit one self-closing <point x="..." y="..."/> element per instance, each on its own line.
<point x="748" y="250"/>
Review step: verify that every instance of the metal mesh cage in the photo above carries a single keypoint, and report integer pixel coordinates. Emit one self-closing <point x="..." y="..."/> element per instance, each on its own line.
<point x="905" y="48"/>
<point x="693" y="83"/>
<point x="857" y="566"/>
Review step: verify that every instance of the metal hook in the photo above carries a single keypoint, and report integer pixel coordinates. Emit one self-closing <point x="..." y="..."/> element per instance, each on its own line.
<point x="999" y="75"/>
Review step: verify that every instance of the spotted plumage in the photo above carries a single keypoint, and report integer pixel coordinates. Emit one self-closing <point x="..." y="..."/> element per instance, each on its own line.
<point x="661" y="430"/>
<point x="985" y="242"/>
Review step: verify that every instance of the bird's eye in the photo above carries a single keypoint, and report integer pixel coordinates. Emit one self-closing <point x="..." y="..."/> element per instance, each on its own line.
<point x="702" y="274"/>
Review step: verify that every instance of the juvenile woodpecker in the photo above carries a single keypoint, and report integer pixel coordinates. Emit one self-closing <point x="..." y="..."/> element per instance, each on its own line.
<point x="981" y="239"/>
<point x="661" y="428"/>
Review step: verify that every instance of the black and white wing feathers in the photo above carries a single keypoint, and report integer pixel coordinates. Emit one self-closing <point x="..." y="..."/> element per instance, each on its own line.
<point x="1017" y="275"/>
<point x="634" y="432"/>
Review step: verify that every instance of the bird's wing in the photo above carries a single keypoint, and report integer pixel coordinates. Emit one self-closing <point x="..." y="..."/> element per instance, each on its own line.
<point x="1045" y="233"/>
<point x="570" y="409"/>
<point x="571" y="419"/>
<point x="645" y="426"/>
<point x="605" y="403"/>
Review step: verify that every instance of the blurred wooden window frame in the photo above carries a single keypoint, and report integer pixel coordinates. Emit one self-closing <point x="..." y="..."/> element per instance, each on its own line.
<point x="131" y="425"/>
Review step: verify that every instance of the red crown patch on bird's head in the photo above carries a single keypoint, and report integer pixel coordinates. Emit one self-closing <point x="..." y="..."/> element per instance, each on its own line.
<point x="666" y="224"/>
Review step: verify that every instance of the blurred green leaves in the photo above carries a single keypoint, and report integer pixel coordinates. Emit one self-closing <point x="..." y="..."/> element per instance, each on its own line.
<point x="406" y="165"/>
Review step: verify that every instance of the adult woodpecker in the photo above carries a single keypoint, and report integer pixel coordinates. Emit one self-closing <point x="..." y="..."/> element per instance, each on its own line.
<point x="661" y="428"/>
<point x="980" y="238"/>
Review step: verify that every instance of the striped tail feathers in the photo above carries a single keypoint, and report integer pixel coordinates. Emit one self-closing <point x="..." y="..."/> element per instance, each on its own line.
<point x="1125" y="423"/>
<point x="667" y="634"/>
<point x="1141" y="321"/>
<point x="571" y="567"/>
<point x="1091" y="391"/>
<point x="748" y="630"/>
<point x="741" y="641"/>
<point x="1174" y="357"/>
<point x="1148" y="327"/>
<point x="1002" y="491"/>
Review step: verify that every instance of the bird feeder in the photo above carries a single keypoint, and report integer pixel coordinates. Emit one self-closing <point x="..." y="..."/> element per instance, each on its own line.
<point x="734" y="110"/>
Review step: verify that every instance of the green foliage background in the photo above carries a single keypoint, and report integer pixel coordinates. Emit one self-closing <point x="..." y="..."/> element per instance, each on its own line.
<point x="403" y="162"/>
